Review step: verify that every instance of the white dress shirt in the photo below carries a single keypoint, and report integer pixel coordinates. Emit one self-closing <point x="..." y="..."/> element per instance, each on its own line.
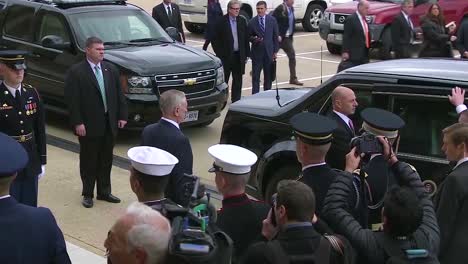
<point x="165" y="8"/>
<point x="461" y="108"/>
<point x="12" y="90"/>
<point x="461" y="161"/>
<point x="313" y="165"/>
<point x="4" y="197"/>
<point x="171" y="121"/>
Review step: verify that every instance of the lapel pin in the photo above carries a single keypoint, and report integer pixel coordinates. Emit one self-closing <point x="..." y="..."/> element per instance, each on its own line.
<point x="6" y="92"/>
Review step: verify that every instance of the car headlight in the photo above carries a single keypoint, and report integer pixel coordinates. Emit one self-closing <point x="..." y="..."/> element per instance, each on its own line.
<point x="219" y="75"/>
<point x="139" y="85"/>
<point x="370" y="19"/>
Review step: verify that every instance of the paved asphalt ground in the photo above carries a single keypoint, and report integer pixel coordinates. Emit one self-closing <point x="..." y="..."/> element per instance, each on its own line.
<point x="60" y="189"/>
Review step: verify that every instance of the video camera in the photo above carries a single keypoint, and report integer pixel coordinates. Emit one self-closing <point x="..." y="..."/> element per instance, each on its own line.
<point x="367" y="144"/>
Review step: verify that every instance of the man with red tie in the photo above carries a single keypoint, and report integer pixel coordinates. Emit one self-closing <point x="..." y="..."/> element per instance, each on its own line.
<point x="356" y="37"/>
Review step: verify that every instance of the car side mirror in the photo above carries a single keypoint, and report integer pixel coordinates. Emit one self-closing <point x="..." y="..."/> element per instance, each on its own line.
<point x="54" y="42"/>
<point x="173" y="33"/>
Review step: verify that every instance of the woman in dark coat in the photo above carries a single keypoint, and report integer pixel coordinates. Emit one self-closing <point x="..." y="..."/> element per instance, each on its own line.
<point x="213" y="12"/>
<point x="437" y="37"/>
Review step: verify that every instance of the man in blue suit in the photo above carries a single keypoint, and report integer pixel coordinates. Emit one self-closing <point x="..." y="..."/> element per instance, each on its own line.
<point x="166" y="135"/>
<point x="28" y="234"/>
<point x="263" y="33"/>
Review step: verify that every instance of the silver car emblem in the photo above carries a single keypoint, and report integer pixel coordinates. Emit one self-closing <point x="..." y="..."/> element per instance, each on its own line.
<point x="342" y="19"/>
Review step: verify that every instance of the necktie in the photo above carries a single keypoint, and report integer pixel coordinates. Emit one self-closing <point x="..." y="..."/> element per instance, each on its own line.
<point x="100" y="80"/>
<point x="19" y="99"/>
<point x="169" y="12"/>
<point x="366" y="32"/>
<point x="262" y="24"/>
<point x="350" y="123"/>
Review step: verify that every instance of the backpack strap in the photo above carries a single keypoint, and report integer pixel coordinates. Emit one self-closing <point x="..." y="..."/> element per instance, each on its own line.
<point x="322" y="254"/>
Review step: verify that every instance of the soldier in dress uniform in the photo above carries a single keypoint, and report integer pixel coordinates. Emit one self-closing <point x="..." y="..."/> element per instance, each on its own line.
<point x="379" y="175"/>
<point x="313" y="134"/>
<point x="240" y="217"/>
<point x="22" y="118"/>
<point x="149" y="176"/>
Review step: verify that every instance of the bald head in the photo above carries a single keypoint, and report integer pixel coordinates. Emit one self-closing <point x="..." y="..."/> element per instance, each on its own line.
<point x="344" y="100"/>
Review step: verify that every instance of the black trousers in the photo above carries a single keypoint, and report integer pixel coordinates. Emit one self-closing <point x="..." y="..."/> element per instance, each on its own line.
<point x="287" y="45"/>
<point x="96" y="162"/>
<point x="234" y="65"/>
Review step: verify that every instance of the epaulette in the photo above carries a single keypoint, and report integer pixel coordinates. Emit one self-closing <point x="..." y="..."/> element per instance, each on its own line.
<point x="27" y="86"/>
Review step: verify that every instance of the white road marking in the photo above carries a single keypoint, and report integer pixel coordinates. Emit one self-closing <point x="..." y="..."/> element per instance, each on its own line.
<point x="195" y="41"/>
<point x="313" y="59"/>
<point x="302" y="80"/>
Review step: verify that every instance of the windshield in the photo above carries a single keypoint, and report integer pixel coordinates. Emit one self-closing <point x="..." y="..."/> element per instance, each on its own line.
<point x="119" y="26"/>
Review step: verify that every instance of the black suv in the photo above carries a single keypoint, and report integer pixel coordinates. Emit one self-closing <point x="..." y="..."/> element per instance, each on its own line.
<point x="150" y="62"/>
<point x="415" y="89"/>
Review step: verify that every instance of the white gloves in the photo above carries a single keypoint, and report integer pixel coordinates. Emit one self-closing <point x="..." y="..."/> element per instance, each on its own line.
<point x="42" y="172"/>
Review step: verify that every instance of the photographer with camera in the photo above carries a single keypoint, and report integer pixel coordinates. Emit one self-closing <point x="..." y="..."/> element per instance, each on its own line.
<point x="410" y="232"/>
<point x="240" y="217"/>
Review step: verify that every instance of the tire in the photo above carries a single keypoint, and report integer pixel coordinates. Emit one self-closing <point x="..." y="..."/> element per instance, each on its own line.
<point x="312" y="17"/>
<point x="194" y="28"/>
<point x="333" y="48"/>
<point x="386" y="45"/>
<point x="288" y="171"/>
<point x="245" y="15"/>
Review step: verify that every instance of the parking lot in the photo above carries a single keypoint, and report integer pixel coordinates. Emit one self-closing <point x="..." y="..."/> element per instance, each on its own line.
<point x="61" y="188"/>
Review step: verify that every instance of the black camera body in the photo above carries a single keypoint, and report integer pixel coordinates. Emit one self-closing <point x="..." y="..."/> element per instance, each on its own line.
<point x="367" y="144"/>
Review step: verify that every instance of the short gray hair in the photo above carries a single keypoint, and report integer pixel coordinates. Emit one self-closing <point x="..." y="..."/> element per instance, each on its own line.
<point x="150" y="231"/>
<point x="171" y="99"/>
<point x="233" y="2"/>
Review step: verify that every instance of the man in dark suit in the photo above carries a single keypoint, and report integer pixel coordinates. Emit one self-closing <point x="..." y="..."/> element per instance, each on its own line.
<point x="344" y="105"/>
<point x="231" y="45"/>
<point x="462" y="39"/>
<point x="356" y="36"/>
<point x="263" y="33"/>
<point x="97" y="110"/>
<point x="166" y="135"/>
<point x="403" y="31"/>
<point x="296" y="237"/>
<point x="313" y="134"/>
<point x="284" y="15"/>
<point x="167" y="14"/>
<point x="28" y="234"/>
<point x="22" y="118"/>
<point x="240" y="217"/>
<point x="450" y="202"/>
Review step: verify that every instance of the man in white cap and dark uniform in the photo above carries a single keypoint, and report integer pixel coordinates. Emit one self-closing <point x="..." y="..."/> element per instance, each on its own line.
<point x="149" y="175"/>
<point x="240" y="217"/>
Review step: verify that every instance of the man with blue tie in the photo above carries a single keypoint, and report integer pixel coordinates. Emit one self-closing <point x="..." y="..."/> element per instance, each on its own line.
<point x="284" y="15"/>
<point x="263" y="33"/>
<point x="28" y="234"/>
<point x="231" y="45"/>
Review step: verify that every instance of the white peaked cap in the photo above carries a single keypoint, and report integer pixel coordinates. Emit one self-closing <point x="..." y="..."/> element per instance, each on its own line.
<point x="232" y="159"/>
<point x="152" y="161"/>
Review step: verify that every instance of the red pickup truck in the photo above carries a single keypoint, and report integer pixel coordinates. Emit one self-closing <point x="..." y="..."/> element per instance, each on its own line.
<point x="381" y="14"/>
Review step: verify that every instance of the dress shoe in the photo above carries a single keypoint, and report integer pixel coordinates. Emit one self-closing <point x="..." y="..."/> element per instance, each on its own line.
<point x="87" y="202"/>
<point x="296" y="82"/>
<point x="109" y="198"/>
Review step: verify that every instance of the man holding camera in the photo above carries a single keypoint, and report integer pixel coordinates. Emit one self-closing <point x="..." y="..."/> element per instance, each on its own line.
<point x="313" y="134"/>
<point x="410" y="230"/>
<point x="240" y="217"/>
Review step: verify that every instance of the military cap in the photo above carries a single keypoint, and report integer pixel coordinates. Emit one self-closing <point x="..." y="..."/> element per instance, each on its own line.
<point x="152" y="161"/>
<point x="13" y="156"/>
<point x="14" y="59"/>
<point x="380" y="122"/>
<point x="313" y="128"/>
<point x="231" y="159"/>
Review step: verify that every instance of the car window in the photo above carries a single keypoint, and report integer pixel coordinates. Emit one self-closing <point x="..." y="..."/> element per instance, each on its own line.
<point x="117" y="26"/>
<point x="425" y="118"/>
<point x="52" y="24"/>
<point x="19" y="22"/>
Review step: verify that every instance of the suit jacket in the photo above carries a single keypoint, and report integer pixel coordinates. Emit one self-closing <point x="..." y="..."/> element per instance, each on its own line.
<point x="319" y="178"/>
<point x="30" y="235"/>
<point x="354" y="40"/>
<point x="462" y="38"/>
<point x="168" y="137"/>
<point x="31" y="120"/>
<point x="435" y="40"/>
<point x="302" y="240"/>
<point x="223" y="43"/>
<point x="340" y="145"/>
<point x="84" y="98"/>
<point x="401" y="36"/>
<point x="213" y="13"/>
<point x="282" y="17"/>
<point x="451" y="205"/>
<point x="241" y="219"/>
<point x="270" y="43"/>
<point x="160" y="15"/>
